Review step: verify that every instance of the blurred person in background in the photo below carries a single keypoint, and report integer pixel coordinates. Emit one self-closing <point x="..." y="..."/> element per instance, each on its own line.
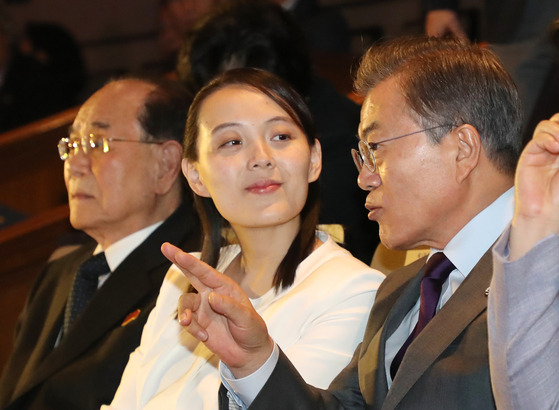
<point x="41" y="72"/>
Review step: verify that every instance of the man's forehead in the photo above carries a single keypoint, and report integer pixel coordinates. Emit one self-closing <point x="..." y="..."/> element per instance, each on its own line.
<point x="122" y="96"/>
<point x="81" y="126"/>
<point x="383" y="107"/>
<point x="114" y="106"/>
<point x="369" y="116"/>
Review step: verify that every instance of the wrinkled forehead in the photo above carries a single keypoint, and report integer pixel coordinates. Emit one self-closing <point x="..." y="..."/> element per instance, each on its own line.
<point x="113" y="109"/>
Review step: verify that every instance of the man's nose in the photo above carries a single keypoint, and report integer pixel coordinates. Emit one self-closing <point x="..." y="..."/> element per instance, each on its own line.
<point x="77" y="162"/>
<point x="368" y="180"/>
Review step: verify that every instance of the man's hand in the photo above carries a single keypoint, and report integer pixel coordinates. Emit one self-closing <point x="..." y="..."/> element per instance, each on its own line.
<point x="441" y="22"/>
<point x="536" y="213"/>
<point x="221" y="315"/>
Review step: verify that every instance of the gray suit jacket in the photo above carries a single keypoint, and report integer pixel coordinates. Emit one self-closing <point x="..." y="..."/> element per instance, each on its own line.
<point x="446" y="367"/>
<point x="523" y="325"/>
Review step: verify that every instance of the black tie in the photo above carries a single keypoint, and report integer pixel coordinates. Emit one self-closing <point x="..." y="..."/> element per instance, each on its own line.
<point x="84" y="287"/>
<point x="437" y="269"/>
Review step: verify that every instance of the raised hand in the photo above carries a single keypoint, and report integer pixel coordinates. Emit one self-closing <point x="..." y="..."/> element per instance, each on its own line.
<point x="221" y="315"/>
<point x="441" y="22"/>
<point x="536" y="214"/>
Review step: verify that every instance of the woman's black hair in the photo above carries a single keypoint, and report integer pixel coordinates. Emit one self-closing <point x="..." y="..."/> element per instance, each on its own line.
<point x="212" y="222"/>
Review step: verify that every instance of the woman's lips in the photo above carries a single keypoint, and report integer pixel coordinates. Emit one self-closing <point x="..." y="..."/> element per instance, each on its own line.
<point x="263" y="187"/>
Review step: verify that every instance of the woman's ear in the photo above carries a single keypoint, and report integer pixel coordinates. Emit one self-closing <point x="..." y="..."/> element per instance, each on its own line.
<point x="315" y="166"/>
<point x="193" y="177"/>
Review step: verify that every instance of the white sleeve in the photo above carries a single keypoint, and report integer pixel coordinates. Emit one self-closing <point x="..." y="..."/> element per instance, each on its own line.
<point x="328" y="345"/>
<point x="132" y="387"/>
<point x="243" y="391"/>
<point x="325" y="316"/>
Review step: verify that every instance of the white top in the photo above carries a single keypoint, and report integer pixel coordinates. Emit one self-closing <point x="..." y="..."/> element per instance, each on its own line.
<point x="318" y="322"/>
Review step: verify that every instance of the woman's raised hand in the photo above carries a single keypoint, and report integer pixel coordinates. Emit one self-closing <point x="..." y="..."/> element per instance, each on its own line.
<point x="221" y="315"/>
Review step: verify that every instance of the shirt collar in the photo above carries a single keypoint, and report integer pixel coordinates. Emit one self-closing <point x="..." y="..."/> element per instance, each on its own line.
<point x="119" y="250"/>
<point x="473" y="240"/>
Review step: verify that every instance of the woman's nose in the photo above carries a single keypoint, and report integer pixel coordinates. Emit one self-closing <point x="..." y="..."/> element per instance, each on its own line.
<point x="261" y="156"/>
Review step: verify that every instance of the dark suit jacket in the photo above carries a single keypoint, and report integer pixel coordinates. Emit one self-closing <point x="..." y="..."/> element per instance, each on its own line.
<point x="84" y="370"/>
<point x="446" y="367"/>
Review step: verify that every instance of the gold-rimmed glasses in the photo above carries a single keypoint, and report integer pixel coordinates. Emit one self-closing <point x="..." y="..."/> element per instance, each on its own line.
<point x="366" y="153"/>
<point x="90" y="143"/>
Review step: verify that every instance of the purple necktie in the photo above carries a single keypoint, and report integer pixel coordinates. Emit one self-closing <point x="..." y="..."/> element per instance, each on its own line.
<point x="437" y="269"/>
<point x="84" y="287"/>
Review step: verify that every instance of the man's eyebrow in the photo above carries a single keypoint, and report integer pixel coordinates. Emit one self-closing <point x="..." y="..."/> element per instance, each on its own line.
<point x="100" y="124"/>
<point x="95" y="124"/>
<point x="368" y="129"/>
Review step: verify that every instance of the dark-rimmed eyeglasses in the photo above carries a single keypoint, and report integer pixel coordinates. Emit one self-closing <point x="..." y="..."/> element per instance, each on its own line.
<point x="90" y="143"/>
<point x="366" y="153"/>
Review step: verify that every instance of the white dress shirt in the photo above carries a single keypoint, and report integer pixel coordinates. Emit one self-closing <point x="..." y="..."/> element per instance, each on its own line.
<point x="120" y="250"/>
<point x="464" y="250"/>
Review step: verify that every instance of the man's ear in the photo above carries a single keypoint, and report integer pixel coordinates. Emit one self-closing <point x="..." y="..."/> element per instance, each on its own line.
<point x="315" y="166"/>
<point x="193" y="177"/>
<point x="468" y="144"/>
<point x="168" y="165"/>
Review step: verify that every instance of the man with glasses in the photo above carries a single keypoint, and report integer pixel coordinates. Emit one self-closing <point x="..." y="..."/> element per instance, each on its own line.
<point x="439" y="141"/>
<point x="85" y="313"/>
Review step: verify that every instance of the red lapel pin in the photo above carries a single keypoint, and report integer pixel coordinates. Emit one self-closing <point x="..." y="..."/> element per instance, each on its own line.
<point x="131" y="317"/>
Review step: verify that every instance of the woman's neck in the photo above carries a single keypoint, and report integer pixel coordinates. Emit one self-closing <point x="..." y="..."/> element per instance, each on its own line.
<point x="262" y="250"/>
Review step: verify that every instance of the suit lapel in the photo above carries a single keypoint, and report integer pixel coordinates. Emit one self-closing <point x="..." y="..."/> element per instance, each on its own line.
<point x="68" y="267"/>
<point x="455" y="316"/>
<point x="136" y="276"/>
<point x="398" y="293"/>
<point x="114" y="300"/>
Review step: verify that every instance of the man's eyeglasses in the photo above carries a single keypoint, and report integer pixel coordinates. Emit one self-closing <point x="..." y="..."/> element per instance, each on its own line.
<point x="90" y="143"/>
<point x="366" y="153"/>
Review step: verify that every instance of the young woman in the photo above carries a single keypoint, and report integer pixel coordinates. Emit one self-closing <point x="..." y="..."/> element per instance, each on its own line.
<point x="253" y="162"/>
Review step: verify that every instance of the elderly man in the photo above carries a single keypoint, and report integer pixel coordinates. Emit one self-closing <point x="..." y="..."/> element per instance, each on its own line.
<point x="85" y="313"/>
<point x="439" y="141"/>
<point x="523" y="301"/>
